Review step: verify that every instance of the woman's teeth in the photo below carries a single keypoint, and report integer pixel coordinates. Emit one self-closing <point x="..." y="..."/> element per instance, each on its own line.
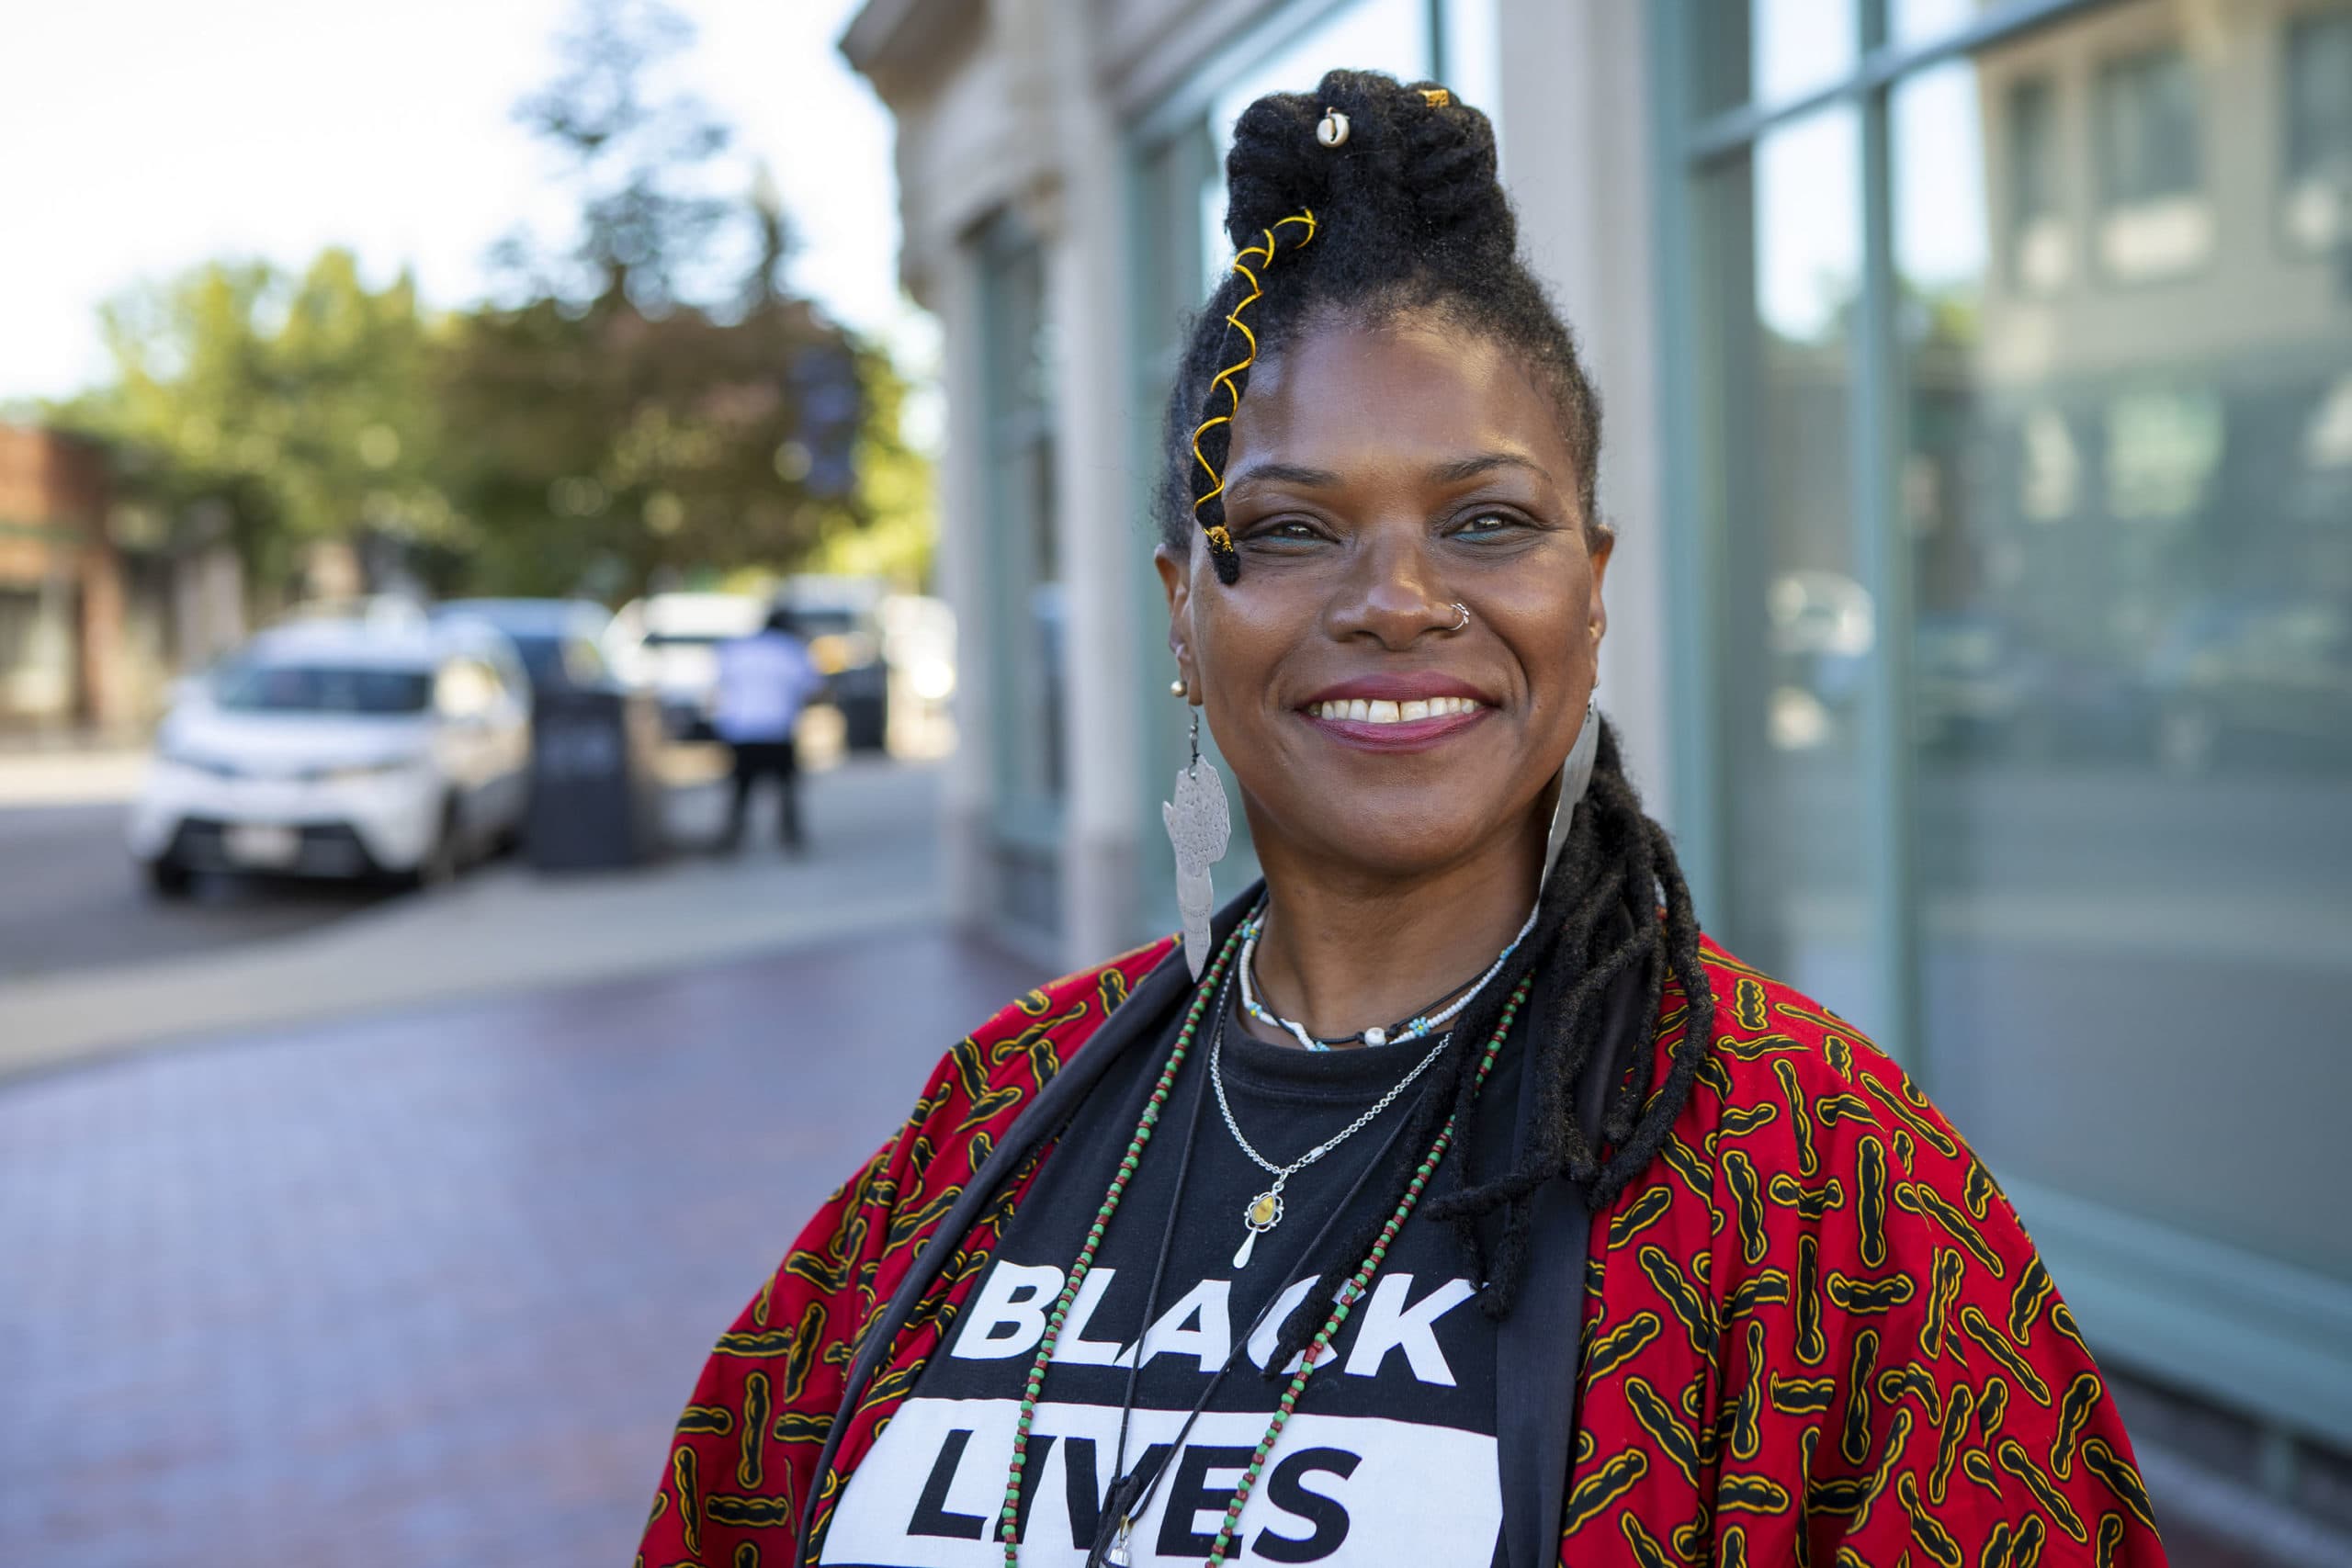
<point x="1364" y="712"/>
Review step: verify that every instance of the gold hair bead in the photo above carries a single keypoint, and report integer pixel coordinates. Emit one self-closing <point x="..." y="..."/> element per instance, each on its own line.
<point x="1436" y="98"/>
<point x="1333" y="132"/>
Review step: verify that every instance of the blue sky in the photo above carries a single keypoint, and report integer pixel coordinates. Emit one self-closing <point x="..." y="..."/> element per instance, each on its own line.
<point x="145" y="136"/>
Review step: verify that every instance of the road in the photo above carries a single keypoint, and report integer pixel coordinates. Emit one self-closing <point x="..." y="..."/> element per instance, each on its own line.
<point x="70" y="898"/>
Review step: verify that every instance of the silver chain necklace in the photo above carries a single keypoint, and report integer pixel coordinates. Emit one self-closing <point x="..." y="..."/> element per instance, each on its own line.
<point x="1264" y="1211"/>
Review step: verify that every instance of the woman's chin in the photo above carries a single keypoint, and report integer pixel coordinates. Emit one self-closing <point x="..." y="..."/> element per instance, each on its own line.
<point x="1401" y="846"/>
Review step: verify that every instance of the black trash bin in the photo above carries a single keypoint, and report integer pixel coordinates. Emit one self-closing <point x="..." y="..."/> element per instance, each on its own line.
<point x="595" y="801"/>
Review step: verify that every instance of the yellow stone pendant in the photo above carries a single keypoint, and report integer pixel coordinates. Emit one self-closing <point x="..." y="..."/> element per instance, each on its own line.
<point x="1264" y="1212"/>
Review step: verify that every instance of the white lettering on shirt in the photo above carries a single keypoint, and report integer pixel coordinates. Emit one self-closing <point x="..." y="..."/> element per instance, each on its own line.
<point x="1071" y="1344"/>
<point x="1013" y="1298"/>
<point x="1389" y="1324"/>
<point x="1211" y="1340"/>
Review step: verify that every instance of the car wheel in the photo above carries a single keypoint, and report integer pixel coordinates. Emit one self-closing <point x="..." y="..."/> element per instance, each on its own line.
<point x="444" y="859"/>
<point x="167" y="879"/>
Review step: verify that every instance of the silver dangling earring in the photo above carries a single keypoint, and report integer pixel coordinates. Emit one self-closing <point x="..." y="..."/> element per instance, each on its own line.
<point x="1199" y="829"/>
<point x="1576" y="777"/>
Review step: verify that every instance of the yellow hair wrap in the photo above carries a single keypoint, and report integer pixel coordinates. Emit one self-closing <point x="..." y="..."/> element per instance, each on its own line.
<point x="1248" y="263"/>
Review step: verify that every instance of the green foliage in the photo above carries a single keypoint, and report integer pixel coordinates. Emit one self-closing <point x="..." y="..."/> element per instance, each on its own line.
<point x="301" y="403"/>
<point x="647" y="401"/>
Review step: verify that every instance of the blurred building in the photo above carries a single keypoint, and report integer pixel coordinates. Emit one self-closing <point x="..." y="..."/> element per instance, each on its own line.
<point x="61" y="584"/>
<point x="1980" y="402"/>
<point x="102" y="601"/>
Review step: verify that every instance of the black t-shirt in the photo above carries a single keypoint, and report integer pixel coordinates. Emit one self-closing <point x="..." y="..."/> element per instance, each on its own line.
<point x="1390" y="1456"/>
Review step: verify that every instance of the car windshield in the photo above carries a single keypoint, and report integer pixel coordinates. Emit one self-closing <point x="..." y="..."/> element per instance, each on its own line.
<point x="323" y="688"/>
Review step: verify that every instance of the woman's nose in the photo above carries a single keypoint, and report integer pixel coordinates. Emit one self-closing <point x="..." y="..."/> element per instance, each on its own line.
<point x="1392" y="593"/>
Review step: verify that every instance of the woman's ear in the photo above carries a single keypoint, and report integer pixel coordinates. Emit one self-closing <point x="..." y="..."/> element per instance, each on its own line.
<point x="1176" y="582"/>
<point x="1596" y="612"/>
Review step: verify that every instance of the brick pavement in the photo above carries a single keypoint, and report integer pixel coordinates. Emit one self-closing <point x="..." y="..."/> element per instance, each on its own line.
<point x="428" y="1288"/>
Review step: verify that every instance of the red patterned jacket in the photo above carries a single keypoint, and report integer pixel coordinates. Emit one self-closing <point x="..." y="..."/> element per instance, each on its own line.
<point x="1816" y="1333"/>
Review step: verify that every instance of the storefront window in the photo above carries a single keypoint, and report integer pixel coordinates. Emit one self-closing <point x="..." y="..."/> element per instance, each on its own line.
<point x="1786" y="244"/>
<point x="2131" y="707"/>
<point x="1030" y="738"/>
<point x="2317" y="62"/>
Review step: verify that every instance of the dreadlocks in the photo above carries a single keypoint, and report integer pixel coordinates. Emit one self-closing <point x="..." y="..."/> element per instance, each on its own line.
<point x="1408" y="219"/>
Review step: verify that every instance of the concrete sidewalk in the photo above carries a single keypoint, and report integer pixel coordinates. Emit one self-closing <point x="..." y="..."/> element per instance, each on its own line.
<point x="508" y="929"/>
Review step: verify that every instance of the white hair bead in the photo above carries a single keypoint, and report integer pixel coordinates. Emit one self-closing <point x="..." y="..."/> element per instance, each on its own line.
<point x="1333" y="132"/>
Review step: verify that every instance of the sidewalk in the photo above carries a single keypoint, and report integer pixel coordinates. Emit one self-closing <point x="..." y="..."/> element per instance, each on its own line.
<point x="430" y="1288"/>
<point x="508" y="929"/>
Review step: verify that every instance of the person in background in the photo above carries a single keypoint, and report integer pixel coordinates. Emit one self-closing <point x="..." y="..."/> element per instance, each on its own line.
<point x="764" y="679"/>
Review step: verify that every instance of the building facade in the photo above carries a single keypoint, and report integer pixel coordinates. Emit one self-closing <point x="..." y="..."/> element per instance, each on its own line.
<point x="61" y="584"/>
<point x="1979" y="384"/>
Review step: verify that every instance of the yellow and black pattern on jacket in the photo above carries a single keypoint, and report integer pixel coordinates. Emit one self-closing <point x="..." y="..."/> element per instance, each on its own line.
<point x="1815" y="1333"/>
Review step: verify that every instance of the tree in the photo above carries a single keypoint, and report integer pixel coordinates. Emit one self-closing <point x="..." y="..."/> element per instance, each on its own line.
<point x="653" y="229"/>
<point x="301" y="405"/>
<point x="658" y="404"/>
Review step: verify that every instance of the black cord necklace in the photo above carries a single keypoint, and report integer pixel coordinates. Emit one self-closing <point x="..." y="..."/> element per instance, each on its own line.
<point x="1132" y="1492"/>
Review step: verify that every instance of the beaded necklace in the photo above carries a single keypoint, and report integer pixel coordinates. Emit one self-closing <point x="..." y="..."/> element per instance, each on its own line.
<point x="1428" y="1021"/>
<point x="1350" y="1292"/>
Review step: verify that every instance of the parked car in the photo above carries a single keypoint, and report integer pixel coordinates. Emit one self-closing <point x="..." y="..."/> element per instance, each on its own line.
<point x="667" y="644"/>
<point x="341" y="748"/>
<point x="560" y="641"/>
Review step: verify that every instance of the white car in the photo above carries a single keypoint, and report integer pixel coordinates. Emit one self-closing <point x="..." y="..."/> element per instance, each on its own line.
<point x="354" y="747"/>
<point x="668" y="644"/>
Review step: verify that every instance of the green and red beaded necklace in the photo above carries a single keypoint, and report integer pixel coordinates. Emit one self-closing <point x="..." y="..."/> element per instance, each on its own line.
<point x="1009" y="1517"/>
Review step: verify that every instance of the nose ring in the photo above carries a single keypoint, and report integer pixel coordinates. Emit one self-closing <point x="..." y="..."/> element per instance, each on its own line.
<point x="1464" y="610"/>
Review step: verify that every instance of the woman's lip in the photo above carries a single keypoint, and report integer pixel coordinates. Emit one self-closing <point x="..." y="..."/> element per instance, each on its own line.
<point x="1405" y="734"/>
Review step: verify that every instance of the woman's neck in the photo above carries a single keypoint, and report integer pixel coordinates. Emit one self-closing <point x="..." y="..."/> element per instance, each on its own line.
<point x="1341" y="952"/>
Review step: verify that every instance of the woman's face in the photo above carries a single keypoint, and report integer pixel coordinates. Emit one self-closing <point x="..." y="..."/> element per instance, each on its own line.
<point x="1379" y="476"/>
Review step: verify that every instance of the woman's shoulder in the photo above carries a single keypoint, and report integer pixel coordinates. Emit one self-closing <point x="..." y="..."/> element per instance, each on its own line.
<point x="1793" y="1109"/>
<point x="1780" y="1059"/>
<point x="1025" y="1043"/>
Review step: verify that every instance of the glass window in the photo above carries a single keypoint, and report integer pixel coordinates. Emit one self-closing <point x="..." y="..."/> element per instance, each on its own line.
<point x="2042" y="244"/>
<point x="1024" y="553"/>
<point x="2130" y="708"/>
<point x="1769" y="51"/>
<point x="2155" y="220"/>
<point x="2317" y="63"/>
<point x="1785" y="240"/>
<point x="1914" y="22"/>
<point x="371" y="690"/>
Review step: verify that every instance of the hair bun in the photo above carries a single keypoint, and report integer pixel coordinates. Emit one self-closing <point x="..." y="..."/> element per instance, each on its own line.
<point x="1416" y="160"/>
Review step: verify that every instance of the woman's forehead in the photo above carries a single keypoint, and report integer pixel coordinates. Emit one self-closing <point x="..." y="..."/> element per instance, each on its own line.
<point x="1414" y="392"/>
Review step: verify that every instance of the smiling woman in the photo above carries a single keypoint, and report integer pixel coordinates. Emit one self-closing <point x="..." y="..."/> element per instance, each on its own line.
<point x="1454" y="1202"/>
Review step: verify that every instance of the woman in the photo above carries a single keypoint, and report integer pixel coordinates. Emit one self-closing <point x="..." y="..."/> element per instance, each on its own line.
<point x="1448" y="1198"/>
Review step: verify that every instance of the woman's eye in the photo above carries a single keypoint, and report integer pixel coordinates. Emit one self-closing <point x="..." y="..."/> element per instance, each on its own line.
<point x="1486" y="525"/>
